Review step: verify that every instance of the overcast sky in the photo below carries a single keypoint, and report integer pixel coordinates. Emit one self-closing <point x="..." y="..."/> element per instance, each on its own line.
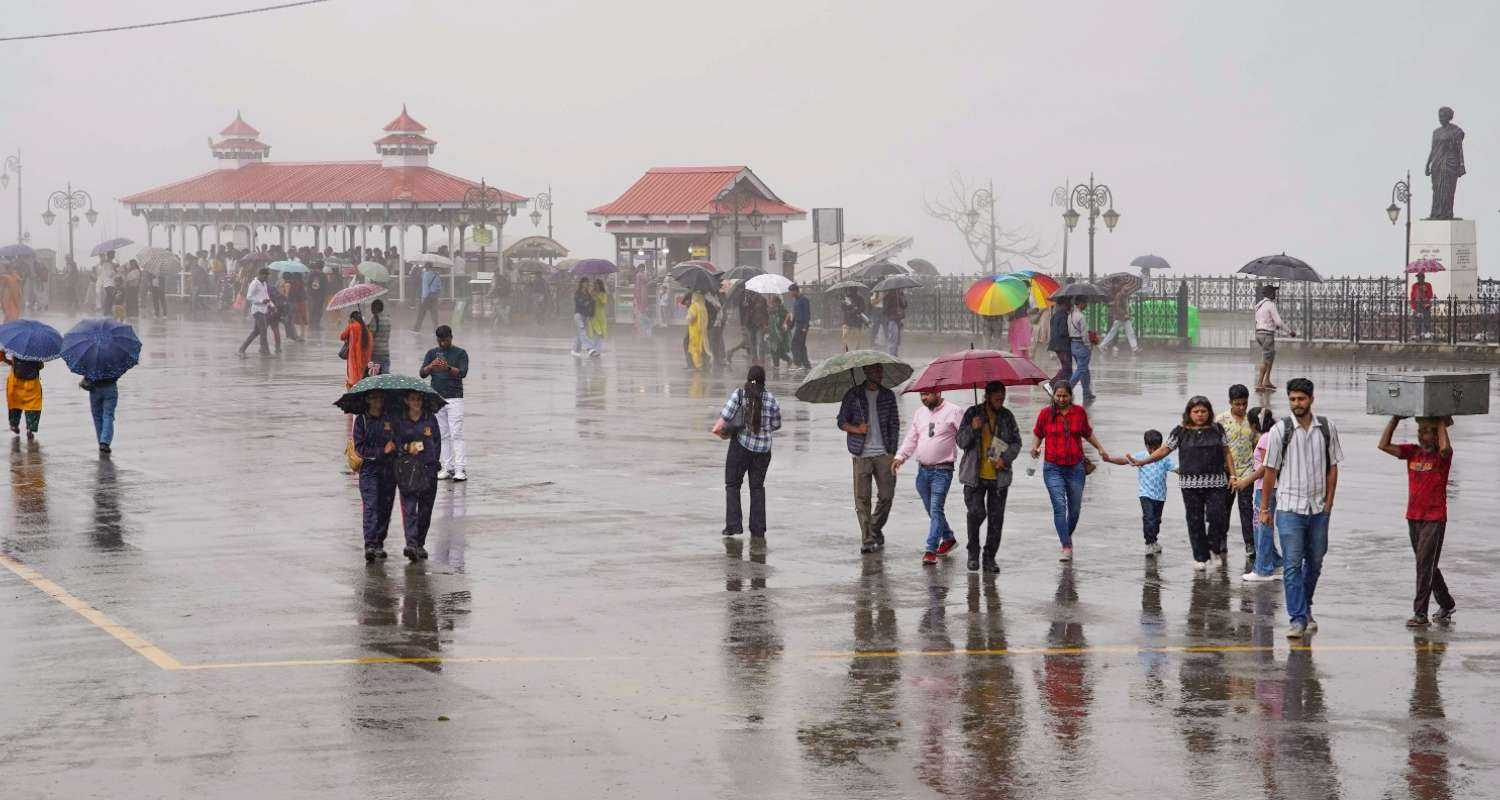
<point x="1227" y="131"/>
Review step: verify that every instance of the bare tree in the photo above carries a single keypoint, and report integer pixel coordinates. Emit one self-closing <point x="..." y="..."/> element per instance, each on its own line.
<point x="967" y="208"/>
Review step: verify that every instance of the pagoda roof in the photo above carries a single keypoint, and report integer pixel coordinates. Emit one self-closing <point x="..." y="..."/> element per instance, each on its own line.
<point x="405" y="124"/>
<point x="405" y="138"/>
<point x="241" y="144"/>
<point x="239" y="128"/>
<point x="354" y="182"/>
<point x="694" y="192"/>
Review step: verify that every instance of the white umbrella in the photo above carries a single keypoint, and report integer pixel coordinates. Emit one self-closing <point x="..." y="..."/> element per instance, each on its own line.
<point x="431" y="258"/>
<point x="769" y="284"/>
<point x="158" y="261"/>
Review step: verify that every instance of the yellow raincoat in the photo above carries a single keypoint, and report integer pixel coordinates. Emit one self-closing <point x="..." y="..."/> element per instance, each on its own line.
<point x="21" y="394"/>
<point x="599" y="323"/>
<point x="697" y="330"/>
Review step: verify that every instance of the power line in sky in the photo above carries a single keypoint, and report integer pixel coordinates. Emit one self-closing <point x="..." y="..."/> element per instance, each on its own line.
<point x="161" y="23"/>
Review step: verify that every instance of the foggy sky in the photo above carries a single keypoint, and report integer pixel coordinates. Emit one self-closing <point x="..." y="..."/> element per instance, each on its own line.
<point x="1226" y="131"/>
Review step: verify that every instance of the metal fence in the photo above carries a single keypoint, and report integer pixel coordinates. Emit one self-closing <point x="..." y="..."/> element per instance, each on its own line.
<point x="1239" y="292"/>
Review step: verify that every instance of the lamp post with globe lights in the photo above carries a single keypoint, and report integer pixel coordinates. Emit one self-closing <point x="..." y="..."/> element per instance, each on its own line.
<point x="539" y="204"/>
<point x="1092" y="196"/>
<point x="479" y="206"/>
<point x="983" y="197"/>
<point x="70" y="200"/>
<point x="1401" y="193"/>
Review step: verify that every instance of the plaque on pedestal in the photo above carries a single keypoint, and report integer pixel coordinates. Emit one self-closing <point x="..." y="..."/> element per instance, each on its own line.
<point x="1451" y="242"/>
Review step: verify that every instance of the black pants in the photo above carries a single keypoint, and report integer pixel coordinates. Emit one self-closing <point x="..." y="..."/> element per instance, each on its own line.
<point x="258" y="331"/>
<point x="1207" y="520"/>
<point x="1427" y="544"/>
<point x="716" y="345"/>
<point x="799" y="348"/>
<point x="315" y="311"/>
<point x="1243" y="499"/>
<point x="1064" y="376"/>
<point x="416" y="513"/>
<point x="158" y="301"/>
<point x="377" y="497"/>
<point x="429" y="305"/>
<point x="1151" y="518"/>
<point x="985" y="503"/>
<point x="737" y="463"/>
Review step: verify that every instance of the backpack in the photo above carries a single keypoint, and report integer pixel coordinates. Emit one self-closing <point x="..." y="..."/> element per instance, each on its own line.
<point x="1287" y="424"/>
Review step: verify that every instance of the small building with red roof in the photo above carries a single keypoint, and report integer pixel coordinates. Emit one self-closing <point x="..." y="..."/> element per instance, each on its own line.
<point x="326" y="203"/>
<point x="726" y="215"/>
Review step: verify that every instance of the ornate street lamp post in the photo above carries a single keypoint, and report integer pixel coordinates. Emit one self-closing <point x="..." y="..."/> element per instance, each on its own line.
<point x="1401" y="193"/>
<point x="70" y="200"/>
<point x="479" y="205"/>
<point x="984" y="197"/>
<point x="1092" y="196"/>
<point x="539" y="204"/>
<point x="13" y="164"/>
<point x="1060" y="199"/>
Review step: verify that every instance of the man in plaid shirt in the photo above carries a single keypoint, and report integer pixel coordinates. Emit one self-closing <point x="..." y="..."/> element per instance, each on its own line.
<point x="871" y="419"/>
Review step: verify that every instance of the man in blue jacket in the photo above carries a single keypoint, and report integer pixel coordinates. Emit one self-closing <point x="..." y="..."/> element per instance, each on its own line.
<point x="801" y="321"/>
<point x="871" y="418"/>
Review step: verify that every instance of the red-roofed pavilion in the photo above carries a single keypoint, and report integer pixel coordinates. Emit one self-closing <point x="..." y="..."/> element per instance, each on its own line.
<point x="248" y="195"/>
<point x="673" y="214"/>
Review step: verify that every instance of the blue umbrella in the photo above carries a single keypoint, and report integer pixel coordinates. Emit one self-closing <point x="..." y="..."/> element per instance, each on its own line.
<point x="16" y="251"/>
<point x="101" y="349"/>
<point x="110" y="244"/>
<point x="31" y="340"/>
<point x="594" y="266"/>
<point x="289" y="267"/>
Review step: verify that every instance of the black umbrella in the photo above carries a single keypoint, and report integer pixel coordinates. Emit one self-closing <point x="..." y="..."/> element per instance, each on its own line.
<point x="842" y="285"/>
<point x="1150" y="262"/>
<point x="878" y="270"/>
<point x="697" y="279"/>
<point x="1282" y="267"/>
<point x="898" y="282"/>
<point x="743" y="273"/>
<point x="922" y="266"/>
<point x="1086" y="291"/>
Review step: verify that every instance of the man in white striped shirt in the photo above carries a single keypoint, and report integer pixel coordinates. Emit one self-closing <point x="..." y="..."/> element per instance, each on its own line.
<point x="1268" y="323"/>
<point x="1302" y="468"/>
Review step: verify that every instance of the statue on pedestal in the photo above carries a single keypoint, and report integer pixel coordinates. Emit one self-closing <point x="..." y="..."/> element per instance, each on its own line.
<point x="1445" y="163"/>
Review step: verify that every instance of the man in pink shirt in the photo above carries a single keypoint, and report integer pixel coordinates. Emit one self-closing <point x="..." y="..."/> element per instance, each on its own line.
<point x="933" y="439"/>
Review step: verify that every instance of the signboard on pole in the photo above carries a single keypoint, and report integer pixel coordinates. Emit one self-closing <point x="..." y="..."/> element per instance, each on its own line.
<point x="482" y="236"/>
<point x="828" y="225"/>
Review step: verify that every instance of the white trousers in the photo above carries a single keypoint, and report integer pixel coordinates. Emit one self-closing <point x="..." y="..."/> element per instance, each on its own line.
<point x="1115" y="329"/>
<point x="451" y="425"/>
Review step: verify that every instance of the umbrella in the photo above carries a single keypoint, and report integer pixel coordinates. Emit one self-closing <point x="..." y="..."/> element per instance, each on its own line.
<point x="1150" y="262"/>
<point x="431" y="258"/>
<point x="355" y="295"/>
<point x="996" y="296"/>
<point x="878" y="270"/>
<point x="255" y="258"/>
<point x="895" y="282"/>
<point x="353" y="401"/>
<point x="1120" y="284"/>
<point x="1282" y="267"/>
<point x="922" y="266"/>
<point x="101" y="349"/>
<point x="110" y="244"/>
<point x="16" y="251"/>
<point x="288" y="267"/>
<point x="769" y="284"/>
<point x="374" y="271"/>
<point x="697" y="279"/>
<point x="536" y="247"/>
<point x="842" y="285"/>
<point x="1080" y="290"/>
<point x="972" y="369"/>
<point x="834" y="376"/>
<point x="708" y="265"/>
<point x="533" y="266"/>
<point x="158" y="261"/>
<point x="31" y="340"/>
<point x="1042" y="286"/>
<point x="743" y="273"/>
<point x="1422" y="265"/>
<point x="594" y="266"/>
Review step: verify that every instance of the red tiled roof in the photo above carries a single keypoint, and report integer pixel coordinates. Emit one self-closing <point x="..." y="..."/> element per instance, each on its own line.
<point x="686" y="190"/>
<point x="404" y="138"/>
<point x="241" y="144"/>
<point x="405" y="124"/>
<point x="239" y="128"/>
<point x="327" y="182"/>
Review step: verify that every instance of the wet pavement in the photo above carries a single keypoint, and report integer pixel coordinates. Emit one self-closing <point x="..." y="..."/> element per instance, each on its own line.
<point x="193" y="617"/>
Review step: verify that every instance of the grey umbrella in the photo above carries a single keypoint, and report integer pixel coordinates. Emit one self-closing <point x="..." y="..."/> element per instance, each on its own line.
<point x="1150" y="262"/>
<point x="878" y="270"/>
<point x="842" y="285"/>
<point x="922" y="266"/>
<point x="743" y="273"/>
<point x="1282" y="267"/>
<point x="1087" y="291"/>
<point x="897" y="282"/>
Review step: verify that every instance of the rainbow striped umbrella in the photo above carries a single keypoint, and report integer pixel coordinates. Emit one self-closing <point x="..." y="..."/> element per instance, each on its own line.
<point x="997" y="295"/>
<point x="1042" y="286"/>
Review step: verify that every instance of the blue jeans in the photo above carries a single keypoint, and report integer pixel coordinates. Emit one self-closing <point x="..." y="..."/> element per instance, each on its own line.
<point x="1266" y="557"/>
<point x="1151" y="518"/>
<point x="102" y="400"/>
<point x="1065" y="488"/>
<point x="1082" y="353"/>
<point x="582" y="341"/>
<point x="1304" y="541"/>
<point x="932" y="487"/>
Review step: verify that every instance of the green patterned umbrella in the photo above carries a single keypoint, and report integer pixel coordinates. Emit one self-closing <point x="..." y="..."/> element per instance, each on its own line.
<point x="353" y="401"/>
<point x="830" y="379"/>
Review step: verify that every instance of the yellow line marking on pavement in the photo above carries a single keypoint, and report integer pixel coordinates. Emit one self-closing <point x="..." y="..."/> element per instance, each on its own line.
<point x="128" y="637"/>
<point x="388" y="660"/>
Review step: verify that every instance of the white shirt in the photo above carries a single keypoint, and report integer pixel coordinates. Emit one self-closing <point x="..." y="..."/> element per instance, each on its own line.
<point x="1267" y="318"/>
<point x="1302" y="473"/>
<point x="258" y="296"/>
<point x="1077" y="324"/>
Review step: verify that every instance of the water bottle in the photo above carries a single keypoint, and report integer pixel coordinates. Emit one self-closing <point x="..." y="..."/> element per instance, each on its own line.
<point x="1031" y="468"/>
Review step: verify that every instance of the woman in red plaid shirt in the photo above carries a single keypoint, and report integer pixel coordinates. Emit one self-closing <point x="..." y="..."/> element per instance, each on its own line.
<point x="1064" y="427"/>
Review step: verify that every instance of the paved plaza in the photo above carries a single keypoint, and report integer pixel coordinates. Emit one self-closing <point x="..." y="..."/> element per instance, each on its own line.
<point x="193" y="617"/>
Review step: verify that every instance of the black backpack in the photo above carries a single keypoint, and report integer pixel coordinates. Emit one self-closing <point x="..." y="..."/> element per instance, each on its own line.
<point x="1287" y="424"/>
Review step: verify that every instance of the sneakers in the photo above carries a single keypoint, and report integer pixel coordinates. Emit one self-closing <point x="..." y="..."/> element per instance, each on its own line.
<point x="460" y="475"/>
<point x="444" y="475"/>
<point x="104" y="448"/>
<point x="946" y="546"/>
<point x="991" y="567"/>
<point x="1200" y="566"/>
<point x="1067" y="554"/>
<point x="1312" y="624"/>
<point x="1417" y="621"/>
<point x="370" y="554"/>
<point x="1256" y="577"/>
<point x="1152" y="549"/>
<point x="1444" y="616"/>
<point x="866" y="549"/>
<point x="973" y="565"/>
<point x="929" y="559"/>
<point x="1296" y="631"/>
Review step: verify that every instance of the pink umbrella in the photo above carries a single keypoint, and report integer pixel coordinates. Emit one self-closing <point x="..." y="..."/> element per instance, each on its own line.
<point x="972" y="369"/>
<point x="1424" y="265"/>
<point x="355" y="295"/>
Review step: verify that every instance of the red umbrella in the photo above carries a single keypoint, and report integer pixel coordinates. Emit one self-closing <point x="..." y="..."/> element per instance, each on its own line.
<point x="355" y="295"/>
<point x="972" y="369"/>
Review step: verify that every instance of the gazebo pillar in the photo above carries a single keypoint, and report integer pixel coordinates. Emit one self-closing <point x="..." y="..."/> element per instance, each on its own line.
<point x="401" y="268"/>
<point x="149" y="228"/>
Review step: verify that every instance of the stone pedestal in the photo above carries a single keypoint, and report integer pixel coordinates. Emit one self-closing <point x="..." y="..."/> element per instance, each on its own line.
<point x="1451" y="242"/>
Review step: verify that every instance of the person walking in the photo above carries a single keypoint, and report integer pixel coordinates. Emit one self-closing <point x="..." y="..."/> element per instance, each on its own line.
<point x="1082" y="349"/>
<point x="583" y="316"/>
<point x="852" y="307"/>
<point x="1205" y="471"/>
<point x="893" y="309"/>
<point x="1267" y="324"/>
<point x="104" y="397"/>
<point x="599" y="321"/>
<point x="871" y="420"/>
<point x="1268" y="563"/>
<point x="695" y="340"/>
<point x="380" y="339"/>
<point x="159" y="293"/>
<point x="1063" y="427"/>
<point x="358" y="345"/>
<point x="932" y="439"/>
<point x="1421" y="305"/>
<point x="1151" y="488"/>
<point x="1018" y="330"/>
<point x="420" y="446"/>
<point x="431" y="293"/>
<point x="317" y="294"/>
<point x="12" y="292"/>
<point x="258" y="296"/>
<point x="1120" y="323"/>
<point x="990" y="440"/>
<point x="748" y="419"/>
<point x="375" y="442"/>
<point x="801" y="322"/>
<point x="1060" y="342"/>
<point x="23" y="393"/>
<point x="1241" y="436"/>
<point x="132" y="289"/>
<point x="1427" y="464"/>
<point x="1302" y="469"/>
<point x="717" y="317"/>
<point x="778" y="332"/>
<point x="447" y="365"/>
